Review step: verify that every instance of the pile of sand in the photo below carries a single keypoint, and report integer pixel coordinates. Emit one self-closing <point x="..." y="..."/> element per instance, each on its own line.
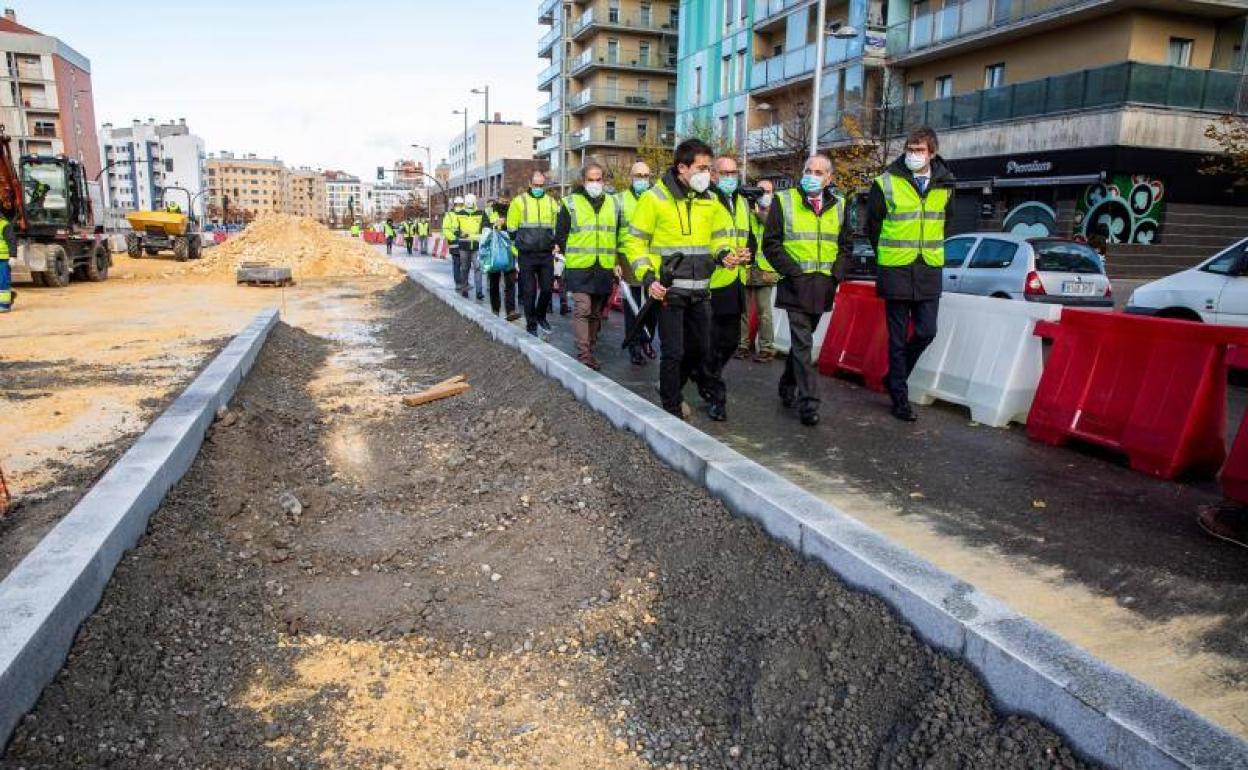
<point x="307" y="247"/>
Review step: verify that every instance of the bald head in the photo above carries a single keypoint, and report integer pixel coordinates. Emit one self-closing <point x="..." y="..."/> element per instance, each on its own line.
<point x="818" y="163"/>
<point x="639" y="170"/>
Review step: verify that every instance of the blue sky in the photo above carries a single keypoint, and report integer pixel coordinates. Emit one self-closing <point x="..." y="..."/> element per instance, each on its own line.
<point x="324" y="83"/>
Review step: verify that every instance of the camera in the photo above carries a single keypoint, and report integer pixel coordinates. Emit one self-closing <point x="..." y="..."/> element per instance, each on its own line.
<point x="752" y="194"/>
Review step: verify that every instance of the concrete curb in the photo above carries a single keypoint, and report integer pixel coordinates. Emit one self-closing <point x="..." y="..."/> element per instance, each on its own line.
<point x="1105" y="714"/>
<point x="57" y="586"/>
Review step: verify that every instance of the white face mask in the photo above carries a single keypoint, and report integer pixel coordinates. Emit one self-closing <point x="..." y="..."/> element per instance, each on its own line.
<point x="700" y="181"/>
<point x="916" y="161"/>
<point x="593" y="189"/>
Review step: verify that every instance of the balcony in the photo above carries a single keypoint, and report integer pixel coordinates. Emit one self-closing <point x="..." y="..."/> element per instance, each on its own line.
<point x="547" y="144"/>
<point x="603" y="56"/>
<point x="1115" y="85"/>
<point x="548" y="110"/>
<point x="959" y="20"/>
<point x="782" y="70"/>
<point x="613" y="19"/>
<point x="614" y="97"/>
<point x="548" y="41"/>
<point x="766" y="11"/>
<point x="546" y="11"/>
<point x="548" y="75"/>
<point x="601" y="136"/>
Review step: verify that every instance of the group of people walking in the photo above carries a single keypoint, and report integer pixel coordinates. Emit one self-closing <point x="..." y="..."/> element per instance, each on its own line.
<point x="696" y="258"/>
<point x="415" y="234"/>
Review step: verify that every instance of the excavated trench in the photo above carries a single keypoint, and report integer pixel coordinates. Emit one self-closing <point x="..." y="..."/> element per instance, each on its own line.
<point x="495" y="580"/>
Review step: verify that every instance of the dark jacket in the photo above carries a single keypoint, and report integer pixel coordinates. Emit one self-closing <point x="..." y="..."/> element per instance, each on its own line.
<point x="682" y="297"/>
<point x="588" y="280"/>
<point x="803" y="292"/>
<point x="916" y="281"/>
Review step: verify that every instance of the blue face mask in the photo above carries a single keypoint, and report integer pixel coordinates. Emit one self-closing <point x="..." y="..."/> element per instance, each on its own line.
<point x="811" y="184"/>
<point x="537" y="192"/>
<point x="728" y="185"/>
<point x="640" y="186"/>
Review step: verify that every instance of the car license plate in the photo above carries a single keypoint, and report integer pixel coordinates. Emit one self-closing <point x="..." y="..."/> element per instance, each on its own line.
<point x="1078" y="289"/>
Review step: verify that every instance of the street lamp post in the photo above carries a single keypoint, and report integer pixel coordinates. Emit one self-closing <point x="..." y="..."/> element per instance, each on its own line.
<point x="840" y="32"/>
<point x="486" y="91"/>
<point x="464" y="152"/>
<point x="428" y="170"/>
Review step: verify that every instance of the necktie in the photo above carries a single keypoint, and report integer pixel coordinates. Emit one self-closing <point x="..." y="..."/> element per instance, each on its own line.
<point x="922" y="180"/>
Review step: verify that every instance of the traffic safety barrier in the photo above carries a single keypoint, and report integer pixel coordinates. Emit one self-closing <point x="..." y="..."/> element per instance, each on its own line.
<point x="438" y="248"/>
<point x="986" y="356"/>
<point x="373" y="237"/>
<point x="1235" y="472"/>
<point x="1152" y="388"/>
<point x="857" y="337"/>
<point x="780" y="329"/>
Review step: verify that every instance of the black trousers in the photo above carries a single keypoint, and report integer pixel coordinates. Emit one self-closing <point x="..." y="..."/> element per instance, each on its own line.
<point x="407" y="241"/>
<point x="800" y="380"/>
<point x="904" y="349"/>
<point x="630" y="318"/>
<point x="685" y="330"/>
<point x="725" y="335"/>
<point x="508" y="298"/>
<point x="537" y="275"/>
<point x="453" y="253"/>
<point x="389" y="244"/>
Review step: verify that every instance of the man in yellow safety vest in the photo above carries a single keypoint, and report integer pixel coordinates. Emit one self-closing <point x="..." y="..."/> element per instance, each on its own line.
<point x="906" y="212"/>
<point x="8" y="247"/>
<point x="807" y="230"/>
<point x="585" y="233"/>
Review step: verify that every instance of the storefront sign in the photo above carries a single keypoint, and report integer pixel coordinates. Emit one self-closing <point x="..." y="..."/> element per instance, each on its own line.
<point x="1029" y="167"/>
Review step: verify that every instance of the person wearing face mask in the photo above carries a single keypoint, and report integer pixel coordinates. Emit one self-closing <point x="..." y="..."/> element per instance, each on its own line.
<point x="760" y="286"/>
<point x="531" y="223"/>
<point x="669" y="246"/>
<point x="469" y="223"/>
<point x="734" y="235"/>
<point x="585" y="233"/>
<point x="449" y="228"/>
<point x="906" y="224"/>
<point x="626" y="203"/>
<point x="807" y="229"/>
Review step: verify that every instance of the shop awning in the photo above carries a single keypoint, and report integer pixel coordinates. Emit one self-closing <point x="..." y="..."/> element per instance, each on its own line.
<point x="1048" y="181"/>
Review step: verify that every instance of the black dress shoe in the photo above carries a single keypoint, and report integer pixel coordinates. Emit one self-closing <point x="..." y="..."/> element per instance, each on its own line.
<point x="904" y="413"/>
<point x="810" y="419"/>
<point x="717" y="412"/>
<point x="789" y="400"/>
<point x="634" y="355"/>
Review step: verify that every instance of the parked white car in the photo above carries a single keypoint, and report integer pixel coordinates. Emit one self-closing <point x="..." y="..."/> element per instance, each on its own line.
<point x="1008" y="266"/>
<point x="1215" y="291"/>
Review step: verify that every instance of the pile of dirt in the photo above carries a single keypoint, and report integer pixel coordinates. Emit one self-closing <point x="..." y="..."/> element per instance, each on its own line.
<point x="494" y="580"/>
<point x="307" y="247"/>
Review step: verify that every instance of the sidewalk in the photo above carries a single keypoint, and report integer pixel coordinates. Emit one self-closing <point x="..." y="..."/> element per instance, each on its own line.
<point x="1110" y="559"/>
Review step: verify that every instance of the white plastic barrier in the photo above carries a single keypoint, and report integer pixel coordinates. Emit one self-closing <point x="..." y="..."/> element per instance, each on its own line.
<point x="780" y="325"/>
<point x="985" y="357"/>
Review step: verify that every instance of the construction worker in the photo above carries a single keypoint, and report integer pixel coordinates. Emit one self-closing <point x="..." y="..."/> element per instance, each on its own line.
<point x="669" y="246"/>
<point x="408" y="229"/>
<point x="422" y="232"/>
<point x="173" y="208"/>
<point x="807" y="229"/>
<point x="626" y="203"/>
<point x="449" y="228"/>
<point x="469" y="222"/>
<point x="906" y="224"/>
<point x="760" y="288"/>
<point x="387" y="228"/>
<point x="8" y="247"/>
<point x="586" y="234"/>
<point x="727" y="285"/>
<point x="531" y="222"/>
<point x="355" y="230"/>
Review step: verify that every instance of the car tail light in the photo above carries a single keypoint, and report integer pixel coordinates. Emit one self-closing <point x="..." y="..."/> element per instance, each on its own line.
<point x="1109" y="290"/>
<point x="1033" y="286"/>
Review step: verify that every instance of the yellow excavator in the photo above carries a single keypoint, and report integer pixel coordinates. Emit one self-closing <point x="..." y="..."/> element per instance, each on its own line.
<point x="171" y="229"/>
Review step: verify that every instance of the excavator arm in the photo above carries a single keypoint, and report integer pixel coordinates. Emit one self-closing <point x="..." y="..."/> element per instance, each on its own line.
<point x="12" y="200"/>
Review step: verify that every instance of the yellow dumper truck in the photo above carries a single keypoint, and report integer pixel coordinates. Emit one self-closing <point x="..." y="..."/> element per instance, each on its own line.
<point x="169" y="230"/>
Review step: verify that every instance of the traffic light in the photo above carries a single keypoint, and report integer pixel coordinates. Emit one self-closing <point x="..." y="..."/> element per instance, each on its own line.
<point x="381" y="173"/>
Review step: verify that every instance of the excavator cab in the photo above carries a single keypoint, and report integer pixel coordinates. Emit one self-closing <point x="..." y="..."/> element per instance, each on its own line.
<point x="55" y="194"/>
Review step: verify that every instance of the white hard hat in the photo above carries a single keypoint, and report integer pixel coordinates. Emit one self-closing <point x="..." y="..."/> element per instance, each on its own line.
<point x="459" y="199"/>
<point x="470" y="201"/>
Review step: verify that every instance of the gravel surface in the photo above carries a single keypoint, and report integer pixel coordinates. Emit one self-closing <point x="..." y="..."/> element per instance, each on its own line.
<point x="494" y="580"/>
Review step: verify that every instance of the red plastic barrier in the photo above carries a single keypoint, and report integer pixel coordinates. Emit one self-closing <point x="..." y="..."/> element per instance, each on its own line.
<point x="857" y="339"/>
<point x="1235" y="472"/>
<point x="1152" y="388"/>
<point x="219" y="237"/>
<point x="372" y="237"/>
<point x="1237" y="358"/>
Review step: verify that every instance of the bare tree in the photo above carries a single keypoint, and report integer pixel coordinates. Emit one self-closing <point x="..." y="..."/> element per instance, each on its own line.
<point x="1230" y="133"/>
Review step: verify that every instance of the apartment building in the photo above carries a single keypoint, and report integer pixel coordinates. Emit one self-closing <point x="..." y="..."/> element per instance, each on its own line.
<point x="1064" y="116"/>
<point x="46" y="101"/>
<point x="146" y="158"/>
<point x="305" y="193"/>
<point x="245" y="183"/>
<point x="478" y="166"/>
<point x="611" y="80"/>
<point x="344" y="198"/>
<point x="713" y="69"/>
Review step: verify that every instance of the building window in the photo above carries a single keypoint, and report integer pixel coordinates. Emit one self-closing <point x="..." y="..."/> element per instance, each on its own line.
<point x="738" y="138"/>
<point x="697" y="85"/>
<point x="610" y="130"/>
<point x="613" y="12"/>
<point x="944" y="86"/>
<point x="647" y="17"/>
<point x="740" y="71"/>
<point x="994" y="75"/>
<point x="169" y="164"/>
<point x="613" y="51"/>
<point x="914" y="92"/>
<point x="643" y="128"/>
<point x="725" y="74"/>
<point x="1180" y="52"/>
<point x="727" y="14"/>
<point x="723" y="128"/>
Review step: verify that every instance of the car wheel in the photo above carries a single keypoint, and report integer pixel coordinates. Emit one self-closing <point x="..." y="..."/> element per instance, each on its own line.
<point x="1180" y="314"/>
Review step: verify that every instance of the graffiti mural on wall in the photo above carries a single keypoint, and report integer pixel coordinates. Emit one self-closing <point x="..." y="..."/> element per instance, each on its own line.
<point x="1127" y="209"/>
<point x="1031" y="219"/>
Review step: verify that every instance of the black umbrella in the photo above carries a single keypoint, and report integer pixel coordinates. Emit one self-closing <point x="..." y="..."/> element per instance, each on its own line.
<point x="652" y="305"/>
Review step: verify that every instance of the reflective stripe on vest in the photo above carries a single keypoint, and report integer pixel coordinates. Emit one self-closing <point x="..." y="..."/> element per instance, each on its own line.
<point x="681" y="226"/>
<point x="810" y="240"/>
<point x="545" y="213"/>
<point x="737" y="236"/>
<point x="914" y="225"/>
<point x="592" y="235"/>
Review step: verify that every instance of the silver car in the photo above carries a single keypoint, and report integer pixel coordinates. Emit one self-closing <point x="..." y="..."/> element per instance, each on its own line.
<point x="1009" y="266"/>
